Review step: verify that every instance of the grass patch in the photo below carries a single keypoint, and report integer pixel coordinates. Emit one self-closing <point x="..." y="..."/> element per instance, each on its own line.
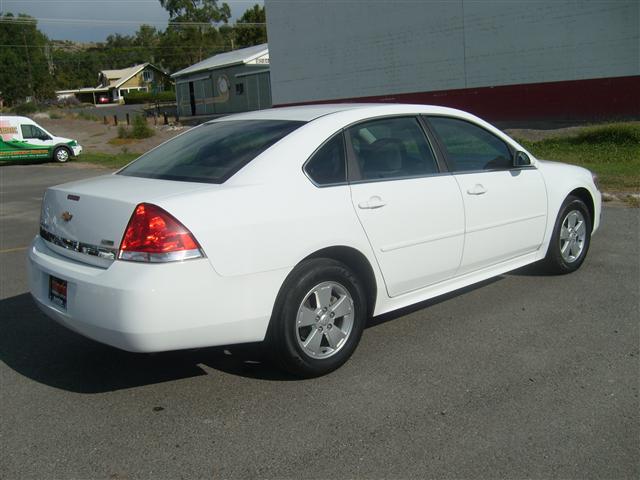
<point x="611" y="151"/>
<point x="117" y="141"/>
<point x="106" y="160"/>
<point x="139" y="129"/>
<point x="84" y="115"/>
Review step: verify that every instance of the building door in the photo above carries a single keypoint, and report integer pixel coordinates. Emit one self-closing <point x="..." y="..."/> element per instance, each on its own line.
<point x="192" y="99"/>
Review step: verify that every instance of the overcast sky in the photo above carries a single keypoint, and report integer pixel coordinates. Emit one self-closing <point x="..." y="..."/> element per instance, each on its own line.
<point x="62" y="19"/>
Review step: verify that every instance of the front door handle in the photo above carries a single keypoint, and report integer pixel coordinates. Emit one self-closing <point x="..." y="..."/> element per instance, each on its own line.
<point x="478" y="189"/>
<point x="372" y="203"/>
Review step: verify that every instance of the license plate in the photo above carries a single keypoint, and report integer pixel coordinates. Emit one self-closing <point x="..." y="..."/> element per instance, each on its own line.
<point x="58" y="292"/>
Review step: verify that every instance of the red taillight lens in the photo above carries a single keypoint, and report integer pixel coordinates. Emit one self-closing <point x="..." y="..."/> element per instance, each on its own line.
<point x="153" y="235"/>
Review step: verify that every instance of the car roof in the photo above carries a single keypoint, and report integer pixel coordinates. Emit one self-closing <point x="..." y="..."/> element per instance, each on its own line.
<point x="307" y="113"/>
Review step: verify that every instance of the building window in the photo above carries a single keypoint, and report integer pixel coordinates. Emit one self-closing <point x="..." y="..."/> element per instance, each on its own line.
<point x="239" y="88"/>
<point x="147" y="75"/>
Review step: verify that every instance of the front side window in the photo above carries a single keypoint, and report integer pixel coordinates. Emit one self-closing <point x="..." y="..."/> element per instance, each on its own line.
<point x="327" y="165"/>
<point x="210" y="153"/>
<point x="470" y="147"/>
<point x="392" y="148"/>
<point x="31" y="131"/>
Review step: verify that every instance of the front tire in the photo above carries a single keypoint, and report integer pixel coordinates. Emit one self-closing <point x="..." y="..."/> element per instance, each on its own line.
<point x="571" y="237"/>
<point x="320" y="318"/>
<point x="61" y="155"/>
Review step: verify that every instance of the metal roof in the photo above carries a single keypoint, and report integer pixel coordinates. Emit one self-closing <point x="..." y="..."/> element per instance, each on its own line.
<point x="240" y="56"/>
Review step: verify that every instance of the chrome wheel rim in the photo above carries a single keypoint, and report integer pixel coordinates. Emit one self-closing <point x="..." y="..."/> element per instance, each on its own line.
<point x="324" y="320"/>
<point x="573" y="235"/>
<point x="62" y="155"/>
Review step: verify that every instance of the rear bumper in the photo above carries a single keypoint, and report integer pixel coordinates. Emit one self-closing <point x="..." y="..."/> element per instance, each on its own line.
<point x="154" y="307"/>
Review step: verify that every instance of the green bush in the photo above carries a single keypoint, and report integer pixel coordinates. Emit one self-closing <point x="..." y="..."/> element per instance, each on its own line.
<point x="149" y="97"/>
<point x="619" y="133"/>
<point x="139" y="129"/>
<point x="25" y="108"/>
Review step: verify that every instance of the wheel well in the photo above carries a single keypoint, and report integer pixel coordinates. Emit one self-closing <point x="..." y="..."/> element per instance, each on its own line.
<point x="584" y="195"/>
<point x="357" y="262"/>
<point x="66" y="147"/>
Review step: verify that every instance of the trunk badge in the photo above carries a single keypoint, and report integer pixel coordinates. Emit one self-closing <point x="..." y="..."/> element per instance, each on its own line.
<point x="66" y="216"/>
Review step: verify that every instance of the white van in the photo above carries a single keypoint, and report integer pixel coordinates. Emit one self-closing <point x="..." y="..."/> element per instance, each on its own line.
<point x="21" y="138"/>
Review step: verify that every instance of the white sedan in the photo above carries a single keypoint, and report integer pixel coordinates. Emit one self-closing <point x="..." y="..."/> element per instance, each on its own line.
<point x="294" y="225"/>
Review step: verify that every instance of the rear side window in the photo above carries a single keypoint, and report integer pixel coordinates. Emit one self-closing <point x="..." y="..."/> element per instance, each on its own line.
<point x="392" y="148"/>
<point x="210" y="153"/>
<point x="470" y="147"/>
<point x="327" y="165"/>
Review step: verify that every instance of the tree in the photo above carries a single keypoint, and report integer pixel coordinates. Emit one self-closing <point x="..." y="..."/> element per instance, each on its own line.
<point x="202" y="11"/>
<point x="26" y="61"/>
<point x="191" y="35"/>
<point x="146" y="41"/>
<point x="251" y="29"/>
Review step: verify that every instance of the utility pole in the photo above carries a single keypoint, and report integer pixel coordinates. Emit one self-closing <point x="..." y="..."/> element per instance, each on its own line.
<point x="26" y="53"/>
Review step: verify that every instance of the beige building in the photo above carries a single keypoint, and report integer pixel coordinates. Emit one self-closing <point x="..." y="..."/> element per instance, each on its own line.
<point x="114" y="85"/>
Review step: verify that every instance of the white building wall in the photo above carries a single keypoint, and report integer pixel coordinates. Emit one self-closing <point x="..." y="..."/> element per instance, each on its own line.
<point x="331" y="50"/>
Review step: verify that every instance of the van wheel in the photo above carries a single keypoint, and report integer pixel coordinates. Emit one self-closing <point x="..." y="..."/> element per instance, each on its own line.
<point x="61" y="154"/>
<point x="320" y="318"/>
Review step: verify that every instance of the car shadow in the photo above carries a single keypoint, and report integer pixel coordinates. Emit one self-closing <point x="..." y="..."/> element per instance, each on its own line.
<point x="531" y="270"/>
<point x="40" y="349"/>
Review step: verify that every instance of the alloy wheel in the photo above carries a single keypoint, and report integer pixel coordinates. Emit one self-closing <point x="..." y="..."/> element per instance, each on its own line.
<point x="324" y="320"/>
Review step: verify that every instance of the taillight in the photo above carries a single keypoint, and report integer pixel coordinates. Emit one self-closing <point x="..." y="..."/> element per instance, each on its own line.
<point x="153" y="235"/>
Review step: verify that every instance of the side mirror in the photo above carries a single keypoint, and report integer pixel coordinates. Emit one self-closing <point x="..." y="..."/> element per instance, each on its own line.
<point x="521" y="159"/>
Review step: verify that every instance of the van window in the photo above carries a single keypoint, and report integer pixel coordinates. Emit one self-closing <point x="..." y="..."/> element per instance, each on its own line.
<point x="31" y="131"/>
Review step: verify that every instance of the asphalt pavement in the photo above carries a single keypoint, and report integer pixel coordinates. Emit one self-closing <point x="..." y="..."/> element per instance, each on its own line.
<point x="523" y="376"/>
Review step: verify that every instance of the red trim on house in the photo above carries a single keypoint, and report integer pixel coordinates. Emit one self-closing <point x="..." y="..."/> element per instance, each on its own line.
<point x="593" y="99"/>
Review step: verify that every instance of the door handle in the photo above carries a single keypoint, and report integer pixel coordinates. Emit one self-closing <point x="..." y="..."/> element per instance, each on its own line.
<point x="478" y="189"/>
<point x="373" y="203"/>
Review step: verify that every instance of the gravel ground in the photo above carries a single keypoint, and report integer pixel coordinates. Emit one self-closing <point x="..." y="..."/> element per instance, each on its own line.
<point x="95" y="136"/>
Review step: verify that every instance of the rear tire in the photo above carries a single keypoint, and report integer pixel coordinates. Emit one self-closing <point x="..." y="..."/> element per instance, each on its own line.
<point x="571" y="237"/>
<point x="319" y="318"/>
<point x="61" y="155"/>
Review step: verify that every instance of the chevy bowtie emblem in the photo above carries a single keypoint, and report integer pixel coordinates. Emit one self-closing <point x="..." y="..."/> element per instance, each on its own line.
<point x="66" y="216"/>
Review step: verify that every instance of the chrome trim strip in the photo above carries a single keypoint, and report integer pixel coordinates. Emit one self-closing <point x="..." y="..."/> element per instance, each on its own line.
<point x="75" y="246"/>
<point x="160" y="257"/>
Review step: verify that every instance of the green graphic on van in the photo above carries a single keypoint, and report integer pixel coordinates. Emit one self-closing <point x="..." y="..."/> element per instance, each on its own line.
<point x="19" y="150"/>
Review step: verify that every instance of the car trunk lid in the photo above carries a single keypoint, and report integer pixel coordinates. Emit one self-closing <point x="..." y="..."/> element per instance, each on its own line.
<point x="85" y="220"/>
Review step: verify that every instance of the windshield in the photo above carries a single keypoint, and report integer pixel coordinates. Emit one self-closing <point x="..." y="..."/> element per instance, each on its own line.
<point x="210" y="153"/>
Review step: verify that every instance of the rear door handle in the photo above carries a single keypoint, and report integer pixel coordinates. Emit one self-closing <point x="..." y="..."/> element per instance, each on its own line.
<point x="478" y="189"/>
<point x="372" y="203"/>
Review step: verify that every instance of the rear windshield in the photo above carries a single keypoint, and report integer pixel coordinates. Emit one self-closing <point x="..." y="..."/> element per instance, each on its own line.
<point x="210" y="153"/>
